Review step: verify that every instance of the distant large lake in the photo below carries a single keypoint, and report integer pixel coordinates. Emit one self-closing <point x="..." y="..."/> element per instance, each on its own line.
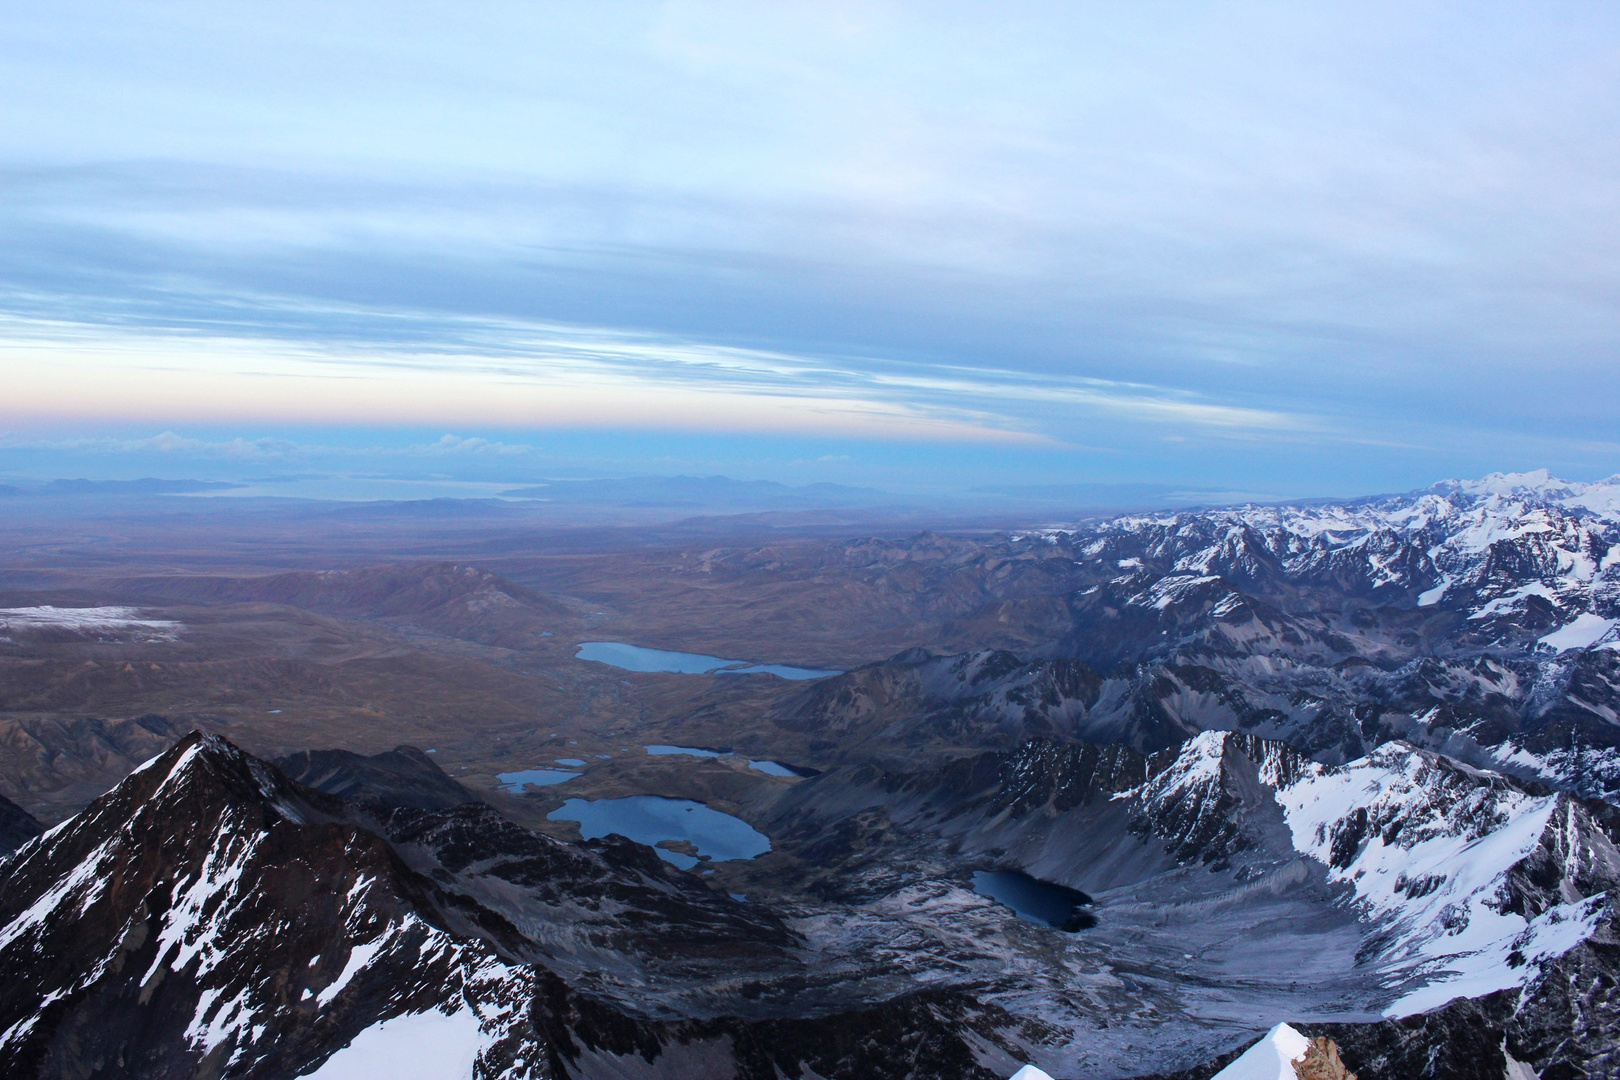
<point x="636" y="658"/>
<point x="647" y="819"/>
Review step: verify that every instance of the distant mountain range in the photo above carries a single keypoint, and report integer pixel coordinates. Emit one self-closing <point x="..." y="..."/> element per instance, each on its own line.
<point x="716" y="494"/>
<point x="703" y="492"/>
<point x="146" y="486"/>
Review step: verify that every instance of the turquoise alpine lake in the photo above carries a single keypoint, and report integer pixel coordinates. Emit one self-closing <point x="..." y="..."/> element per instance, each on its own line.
<point x="637" y="658"/>
<point x="650" y="819"/>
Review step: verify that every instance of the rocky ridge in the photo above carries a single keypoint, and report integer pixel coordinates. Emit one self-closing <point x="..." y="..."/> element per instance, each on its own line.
<point x="1479" y="619"/>
<point x="210" y="916"/>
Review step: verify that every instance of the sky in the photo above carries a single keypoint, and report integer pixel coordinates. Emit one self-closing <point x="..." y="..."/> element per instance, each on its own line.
<point x="1293" y="248"/>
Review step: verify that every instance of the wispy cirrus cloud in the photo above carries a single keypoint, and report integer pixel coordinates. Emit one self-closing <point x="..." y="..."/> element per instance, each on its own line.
<point x="407" y="367"/>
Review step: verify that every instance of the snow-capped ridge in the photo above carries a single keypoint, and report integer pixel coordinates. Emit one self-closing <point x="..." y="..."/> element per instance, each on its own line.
<point x="1272" y="1058"/>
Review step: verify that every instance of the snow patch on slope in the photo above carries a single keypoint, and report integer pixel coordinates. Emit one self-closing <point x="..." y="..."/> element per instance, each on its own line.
<point x="417" y="1046"/>
<point x="1587" y="630"/>
<point x="1427" y="849"/>
<point x="98" y="621"/>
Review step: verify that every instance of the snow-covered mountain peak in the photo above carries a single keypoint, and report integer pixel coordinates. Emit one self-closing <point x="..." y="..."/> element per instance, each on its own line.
<point x="1502" y="547"/>
<point x="1272" y="1058"/>
<point x="1599" y="497"/>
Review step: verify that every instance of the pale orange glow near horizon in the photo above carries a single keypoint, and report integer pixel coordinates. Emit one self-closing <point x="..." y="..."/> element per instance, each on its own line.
<point x="189" y="380"/>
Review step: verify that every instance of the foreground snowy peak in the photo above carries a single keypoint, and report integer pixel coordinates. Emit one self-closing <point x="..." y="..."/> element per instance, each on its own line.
<point x="1286" y="1054"/>
<point x="208" y="916"/>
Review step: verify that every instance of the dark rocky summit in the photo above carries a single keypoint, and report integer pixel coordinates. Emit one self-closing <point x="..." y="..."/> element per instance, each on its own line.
<point x="17" y="826"/>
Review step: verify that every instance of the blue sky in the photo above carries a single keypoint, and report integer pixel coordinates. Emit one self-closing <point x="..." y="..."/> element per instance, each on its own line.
<point x="1324" y="248"/>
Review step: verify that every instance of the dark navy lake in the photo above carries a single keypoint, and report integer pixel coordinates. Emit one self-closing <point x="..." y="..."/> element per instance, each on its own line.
<point x="1057" y="906"/>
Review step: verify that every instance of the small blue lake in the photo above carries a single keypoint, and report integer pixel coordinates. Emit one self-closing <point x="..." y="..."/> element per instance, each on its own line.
<point x="1057" y="906"/>
<point x="769" y="768"/>
<point x="649" y="819"/>
<point x="636" y="658"/>
<point x="773" y="768"/>
<point x="514" y="782"/>
<point x="660" y="749"/>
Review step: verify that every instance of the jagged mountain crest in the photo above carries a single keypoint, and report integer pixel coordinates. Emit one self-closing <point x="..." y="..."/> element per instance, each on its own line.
<point x="1478" y="619"/>
<point x="153" y="929"/>
<point x="1475" y="546"/>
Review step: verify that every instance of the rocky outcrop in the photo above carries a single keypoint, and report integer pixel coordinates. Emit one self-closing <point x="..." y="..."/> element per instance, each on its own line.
<point x="1322" y="1062"/>
<point x="403" y="776"/>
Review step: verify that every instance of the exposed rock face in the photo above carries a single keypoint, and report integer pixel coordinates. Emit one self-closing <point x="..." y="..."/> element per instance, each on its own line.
<point x="56" y="765"/>
<point x="404" y="776"/>
<point x="1322" y="1062"/>
<point x="17" y="826"/>
<point x="921" y="701"/>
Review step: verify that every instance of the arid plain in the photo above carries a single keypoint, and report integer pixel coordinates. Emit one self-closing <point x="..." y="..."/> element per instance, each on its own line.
<point x="454" y="628"/>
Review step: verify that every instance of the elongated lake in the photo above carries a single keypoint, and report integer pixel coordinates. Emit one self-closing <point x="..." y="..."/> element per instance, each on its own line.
<point x="637" y="658"/>
<point x="766" y="766"/>
<point x="515" y="782"/>
<point x="649" y="819"/>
